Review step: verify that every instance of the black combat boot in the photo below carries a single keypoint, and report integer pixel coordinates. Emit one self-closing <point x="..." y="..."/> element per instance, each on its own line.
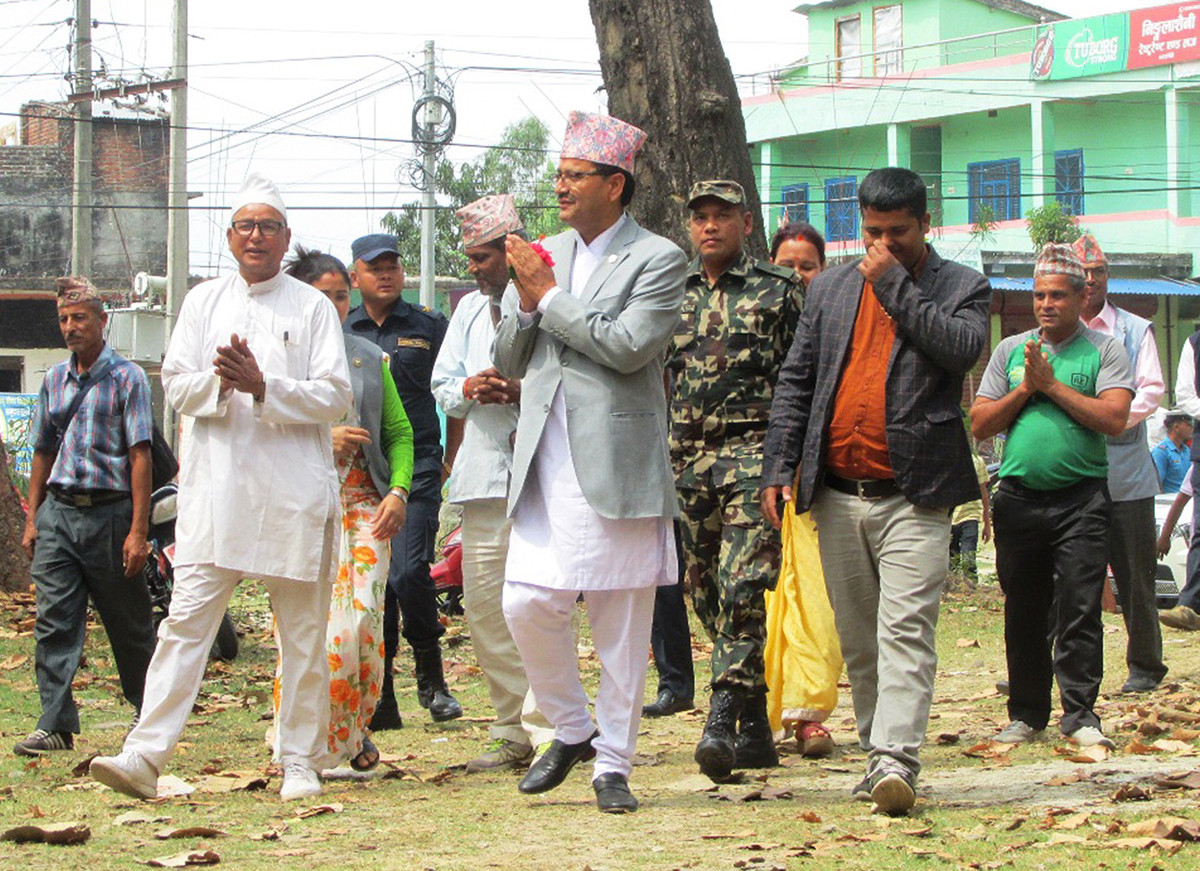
<point x="715" y="754"/>
<point x="432" y="691"/>
<point x="755" y="745"/>
<point x="387" y="715"/>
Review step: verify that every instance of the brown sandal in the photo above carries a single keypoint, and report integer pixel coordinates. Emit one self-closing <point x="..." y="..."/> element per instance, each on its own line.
<point x="814" y="739"/>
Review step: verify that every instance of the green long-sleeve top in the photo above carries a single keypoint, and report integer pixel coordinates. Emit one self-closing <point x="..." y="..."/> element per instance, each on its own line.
<point x="396" y="433"/>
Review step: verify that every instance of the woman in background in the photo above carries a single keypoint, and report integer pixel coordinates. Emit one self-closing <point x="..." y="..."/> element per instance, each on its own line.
<point x="373" y="450"/>
<point x="803" y="657"/>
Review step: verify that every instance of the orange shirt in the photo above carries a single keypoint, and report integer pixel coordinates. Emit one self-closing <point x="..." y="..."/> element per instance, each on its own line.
<point x="858" y="431"/>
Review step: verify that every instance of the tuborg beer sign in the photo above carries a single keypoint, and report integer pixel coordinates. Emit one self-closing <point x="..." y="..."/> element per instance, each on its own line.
<point x="1113" y="43"/>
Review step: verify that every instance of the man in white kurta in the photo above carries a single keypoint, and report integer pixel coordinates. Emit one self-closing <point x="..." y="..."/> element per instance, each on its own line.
<point x="592" y="496"/>
<point x="257" y="359"/>
<point x="468" y="387"/>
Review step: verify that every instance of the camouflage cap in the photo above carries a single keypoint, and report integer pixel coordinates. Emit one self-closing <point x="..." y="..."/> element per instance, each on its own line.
<point x="721" y="188"/>
<point x="74" y="289"/>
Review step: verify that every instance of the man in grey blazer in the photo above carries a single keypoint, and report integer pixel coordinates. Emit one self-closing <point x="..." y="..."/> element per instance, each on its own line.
<point x="592" y="493"/>
<point x="868" y="409"/>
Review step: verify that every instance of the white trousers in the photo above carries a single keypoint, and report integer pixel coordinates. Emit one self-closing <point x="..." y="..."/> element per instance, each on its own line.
<point x="485" y="530"/>
<point x="541" y="622"/>
<point x="199" y="600"/>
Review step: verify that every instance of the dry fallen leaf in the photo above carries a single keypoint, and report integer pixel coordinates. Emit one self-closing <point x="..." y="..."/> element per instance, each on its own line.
<point x="1076" y="776"/>
<point x="170" y="786"/>
<point x="82" y="769"/>
<point x="1085" y="755"/>
<point x="189" y="832"/>
<point x="989" y="750"/>
<point x="767" y="793"/>
<point x="720" y="836"/>
<point x="1071" y="821"/>
<point x="130" y="818"/>
<point x="1060" y="839"/>
<point x="966" y="642"/>
<point x="183" y="860"/>
<point x="317" y="810"/>
<point x="232" y="783"/>
<point x="1174" y="828"/>
<point x="15" y="661"/>
<point x="49" y="833"/>
<point x="810" y="816"/>
<point x="1169" y="746"/>
<point x="1169" y="847"/>
<point x="1179" y="780"/>
<point x="1131" y="792"/>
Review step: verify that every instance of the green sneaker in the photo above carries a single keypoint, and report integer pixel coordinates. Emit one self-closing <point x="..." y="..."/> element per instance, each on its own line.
<point x="501" y="753"/>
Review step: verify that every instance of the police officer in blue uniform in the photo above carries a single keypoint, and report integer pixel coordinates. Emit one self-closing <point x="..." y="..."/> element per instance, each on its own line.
<point x="411" y="336"/>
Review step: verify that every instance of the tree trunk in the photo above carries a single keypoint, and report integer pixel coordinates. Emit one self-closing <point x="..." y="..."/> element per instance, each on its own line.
<point x="665" y="71"/>
<point x="14" y="567"/>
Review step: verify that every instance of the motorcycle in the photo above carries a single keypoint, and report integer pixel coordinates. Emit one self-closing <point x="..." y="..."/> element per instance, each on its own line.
<point x="447" y="575"/>
<point x="160" y="570"/>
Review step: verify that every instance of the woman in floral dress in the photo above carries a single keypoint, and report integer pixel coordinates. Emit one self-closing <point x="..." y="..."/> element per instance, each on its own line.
<point x="373" y="450"/>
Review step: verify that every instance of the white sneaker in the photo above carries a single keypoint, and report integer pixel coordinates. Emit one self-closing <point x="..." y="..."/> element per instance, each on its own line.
<point x="1016" y="732"/>
<point x="1090" y="736"/>
<point x="299" y="781"/>
<point x="128" y="773"/>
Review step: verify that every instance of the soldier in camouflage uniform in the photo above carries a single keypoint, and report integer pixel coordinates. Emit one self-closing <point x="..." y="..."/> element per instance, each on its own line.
<point x="739" y="315"/>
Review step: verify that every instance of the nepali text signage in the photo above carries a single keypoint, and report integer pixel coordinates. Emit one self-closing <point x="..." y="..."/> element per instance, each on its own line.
<point x="1113" y="43"/>
<point x="1166" y="35"/>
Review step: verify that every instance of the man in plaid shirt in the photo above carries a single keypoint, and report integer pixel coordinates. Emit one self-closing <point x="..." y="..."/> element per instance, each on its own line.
<point x="868" y="412"/>
<point x="89" y="488"/>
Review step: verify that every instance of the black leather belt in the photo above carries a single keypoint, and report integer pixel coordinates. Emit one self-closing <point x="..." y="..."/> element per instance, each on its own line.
<point x="868" y="488"/>
<point x="1016" y="487"/>
<point x="88" y="498"/>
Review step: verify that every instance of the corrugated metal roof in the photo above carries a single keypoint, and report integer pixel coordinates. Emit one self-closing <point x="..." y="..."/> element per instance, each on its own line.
<point x="1151" y="286"/>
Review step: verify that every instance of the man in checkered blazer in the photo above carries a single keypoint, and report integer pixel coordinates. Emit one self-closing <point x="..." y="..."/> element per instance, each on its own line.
<point x="867" y="410"/>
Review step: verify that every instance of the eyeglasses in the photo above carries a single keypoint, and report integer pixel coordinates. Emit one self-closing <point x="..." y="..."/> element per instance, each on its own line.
<point x="574" y="176"/>
<point x="267" y="228"/>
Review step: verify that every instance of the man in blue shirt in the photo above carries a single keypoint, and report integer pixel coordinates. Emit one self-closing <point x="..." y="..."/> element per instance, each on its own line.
<point x="1172" y="456"/>
<point x="95" y="468"/>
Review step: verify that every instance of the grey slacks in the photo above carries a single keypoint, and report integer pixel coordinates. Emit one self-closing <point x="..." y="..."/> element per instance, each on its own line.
<point x="1131" y="542"/>
<point x="77" y="555"/>
<point x="885" y="563"/>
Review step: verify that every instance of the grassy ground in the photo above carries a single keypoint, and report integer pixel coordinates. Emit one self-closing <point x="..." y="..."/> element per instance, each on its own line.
<point x="978" y="807"/>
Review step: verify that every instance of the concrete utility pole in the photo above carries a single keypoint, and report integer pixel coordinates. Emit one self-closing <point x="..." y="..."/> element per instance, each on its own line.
<point x="177" y="216"/>
<point x="428" y="202"/>
<point x="81" y="189"/>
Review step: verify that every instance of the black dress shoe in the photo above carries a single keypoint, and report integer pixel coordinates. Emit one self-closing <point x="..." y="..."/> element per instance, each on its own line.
<point x="613" y="795"/>
<point x="556" y="763"/>
<point x="667" y="703"/>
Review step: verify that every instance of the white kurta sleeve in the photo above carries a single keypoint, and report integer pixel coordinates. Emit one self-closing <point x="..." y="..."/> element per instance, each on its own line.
<point x="450" y="368"/>
<point x="190" y="383"/>
<point x="1185" y="381"/>
<point x="325" y="395"/>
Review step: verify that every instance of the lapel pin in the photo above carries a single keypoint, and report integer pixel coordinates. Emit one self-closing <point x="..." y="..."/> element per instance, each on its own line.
<point x="358" y="361"/>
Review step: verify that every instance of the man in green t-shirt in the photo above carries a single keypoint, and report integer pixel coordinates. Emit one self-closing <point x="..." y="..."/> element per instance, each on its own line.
<point x="1058" y="390"/>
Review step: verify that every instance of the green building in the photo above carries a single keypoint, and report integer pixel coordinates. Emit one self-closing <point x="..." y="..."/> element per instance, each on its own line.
<point x="1002" y="107"/>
